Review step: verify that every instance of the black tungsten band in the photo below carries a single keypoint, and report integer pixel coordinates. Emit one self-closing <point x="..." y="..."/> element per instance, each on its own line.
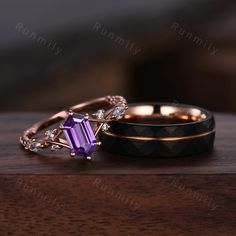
<point x="175" y="130"/>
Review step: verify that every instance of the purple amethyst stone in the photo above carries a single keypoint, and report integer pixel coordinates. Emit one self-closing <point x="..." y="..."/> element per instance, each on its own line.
<point x="79" y="135"/>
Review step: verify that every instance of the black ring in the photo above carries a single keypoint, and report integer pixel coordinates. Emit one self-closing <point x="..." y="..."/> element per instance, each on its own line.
<point x="183" y="130"/>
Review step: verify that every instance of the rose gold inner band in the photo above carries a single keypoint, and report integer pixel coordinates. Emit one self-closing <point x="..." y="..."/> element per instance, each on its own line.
<point x="168" y="112"/>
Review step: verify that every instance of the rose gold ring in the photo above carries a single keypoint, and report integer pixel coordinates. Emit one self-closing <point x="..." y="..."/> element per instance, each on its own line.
<point x="80" y="135"/>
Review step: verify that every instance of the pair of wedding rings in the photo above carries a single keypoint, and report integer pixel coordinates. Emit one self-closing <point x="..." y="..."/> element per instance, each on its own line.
<point x="150" y="130"/>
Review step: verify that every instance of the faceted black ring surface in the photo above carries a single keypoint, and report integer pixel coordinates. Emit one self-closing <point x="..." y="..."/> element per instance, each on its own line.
<point x="161" y="130"/>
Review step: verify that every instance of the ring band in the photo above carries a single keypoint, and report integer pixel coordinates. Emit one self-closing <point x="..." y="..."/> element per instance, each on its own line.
<point x="79" y="133"/>
<point x="161" y="129"/>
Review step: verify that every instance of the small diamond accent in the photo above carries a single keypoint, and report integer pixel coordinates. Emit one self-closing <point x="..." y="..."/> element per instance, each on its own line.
<point x="33" y="145"/>
<point x="50" y="133"/>
<point x="100" y="114"/>
<point x="105" y="127"/>
<point x="55" y="147"/>
<point x="119" y="110"/>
